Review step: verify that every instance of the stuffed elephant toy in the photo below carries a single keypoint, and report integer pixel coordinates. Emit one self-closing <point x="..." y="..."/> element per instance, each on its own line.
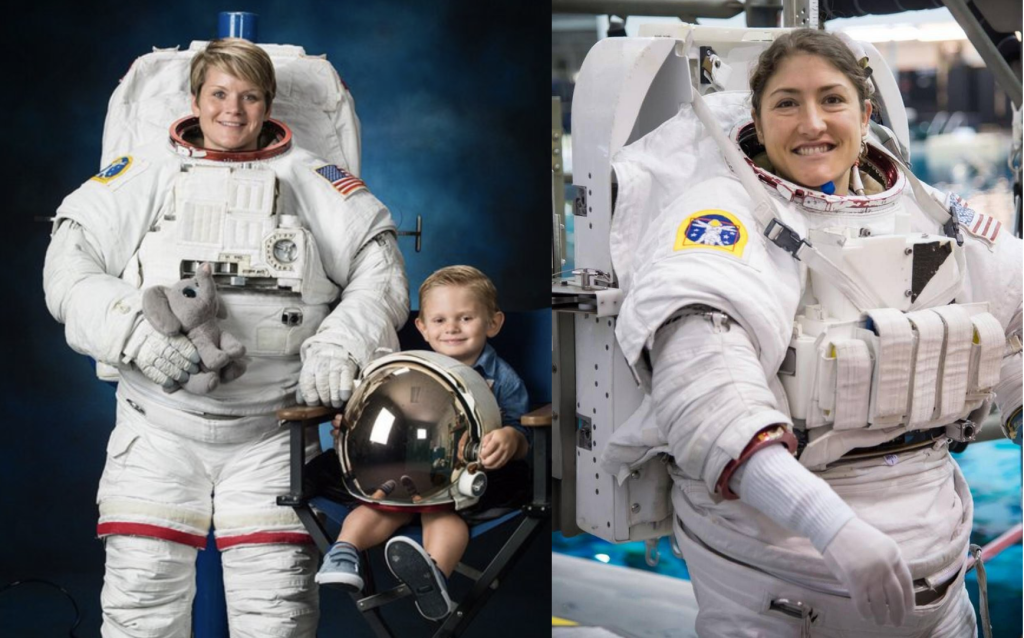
<point x="191" y="307"/>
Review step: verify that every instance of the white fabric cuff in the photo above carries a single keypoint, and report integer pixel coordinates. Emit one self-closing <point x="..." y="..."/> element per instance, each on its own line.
<point x="774" y="483"/>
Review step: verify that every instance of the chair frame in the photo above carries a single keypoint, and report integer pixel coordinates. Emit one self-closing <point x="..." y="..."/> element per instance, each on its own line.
<point x="369" y="601"/>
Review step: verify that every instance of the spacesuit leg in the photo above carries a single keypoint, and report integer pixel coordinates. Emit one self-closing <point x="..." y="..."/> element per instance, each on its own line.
<point x="268" y="557"/>
<point x="148" y="588"/>
<point x="958" y="621"/>
<point x="270" y="590"/>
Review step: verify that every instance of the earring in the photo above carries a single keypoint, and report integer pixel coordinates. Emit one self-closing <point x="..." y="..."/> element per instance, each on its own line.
<point x="856" y="183"/>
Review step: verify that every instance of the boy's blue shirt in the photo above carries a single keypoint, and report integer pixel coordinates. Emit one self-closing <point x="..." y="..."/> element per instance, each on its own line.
<point x="508" y="388"/>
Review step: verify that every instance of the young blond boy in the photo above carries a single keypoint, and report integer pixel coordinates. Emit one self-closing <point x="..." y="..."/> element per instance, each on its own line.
<point x="458" y="313"/>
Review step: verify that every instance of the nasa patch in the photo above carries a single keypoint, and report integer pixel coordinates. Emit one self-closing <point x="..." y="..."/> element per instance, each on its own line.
<point x="712" y="229"/>
<point x="117" y="168"/>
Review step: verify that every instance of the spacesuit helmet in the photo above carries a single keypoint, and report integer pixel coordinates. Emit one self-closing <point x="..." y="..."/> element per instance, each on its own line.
<point x="412" y="433"/>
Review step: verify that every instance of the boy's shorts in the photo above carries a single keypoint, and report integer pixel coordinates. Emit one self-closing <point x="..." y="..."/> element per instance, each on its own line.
<point x="508" y="488"/>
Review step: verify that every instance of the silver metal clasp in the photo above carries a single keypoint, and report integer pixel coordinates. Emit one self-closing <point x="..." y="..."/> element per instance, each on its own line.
<point x="795" y="609"/>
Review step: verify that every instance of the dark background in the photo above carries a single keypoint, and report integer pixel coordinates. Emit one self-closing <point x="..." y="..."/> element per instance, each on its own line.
<point x="453" y="101"/>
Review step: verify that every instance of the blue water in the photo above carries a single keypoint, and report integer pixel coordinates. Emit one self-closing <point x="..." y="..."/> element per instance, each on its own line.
<point x="993" y="471"/>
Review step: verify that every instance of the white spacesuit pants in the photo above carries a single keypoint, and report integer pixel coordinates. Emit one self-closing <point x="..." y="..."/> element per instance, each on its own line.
<point x="150" y="584"/>
<point x="735" y="601"/>
<point x="168" y="475"/>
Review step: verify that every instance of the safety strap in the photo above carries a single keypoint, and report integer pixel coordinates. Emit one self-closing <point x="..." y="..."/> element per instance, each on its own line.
<point x="930" y="333"/>
<point x="952" y="390"/>
<point x="853" y="383"/>
<point x="979" y="565"/>
<point x="893" y="360"/>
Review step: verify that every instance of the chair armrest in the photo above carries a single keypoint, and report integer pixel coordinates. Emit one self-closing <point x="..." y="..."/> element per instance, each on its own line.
<point x="297" y="419"/>
<point x="539" y="418"/>
<point x="302" y="413"/>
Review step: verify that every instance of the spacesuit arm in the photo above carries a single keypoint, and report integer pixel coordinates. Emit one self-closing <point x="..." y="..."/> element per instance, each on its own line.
<point x="1008" y="390"/>
<point x="710" y="393"/>
<point x="374" y="303"/>
<point x="99" y="310"/>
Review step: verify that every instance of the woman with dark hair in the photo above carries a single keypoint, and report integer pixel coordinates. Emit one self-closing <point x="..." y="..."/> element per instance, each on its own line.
<point x="814" y="326"/>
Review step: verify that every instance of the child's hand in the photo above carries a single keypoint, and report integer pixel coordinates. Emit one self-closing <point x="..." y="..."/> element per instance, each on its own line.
<point x="336" y="424"/>
<point x="498" y="447"/>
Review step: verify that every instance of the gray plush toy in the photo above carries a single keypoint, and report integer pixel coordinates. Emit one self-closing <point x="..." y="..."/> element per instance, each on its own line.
<point x="191" y="307"/>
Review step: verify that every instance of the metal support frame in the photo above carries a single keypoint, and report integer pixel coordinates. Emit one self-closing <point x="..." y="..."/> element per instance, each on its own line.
<point x="800" y="13"/>
<point x="986" y="49"/>
<point x="563" y="450"/>
<point x="558" y="244"/>
<point x="418" y="233"/>
<point x="677" y="8"/>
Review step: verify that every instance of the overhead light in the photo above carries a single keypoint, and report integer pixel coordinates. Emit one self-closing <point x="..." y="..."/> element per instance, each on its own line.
<point x="382" y="427"/>
<point x="941" y="31"/>
<point x="927" y="32"/>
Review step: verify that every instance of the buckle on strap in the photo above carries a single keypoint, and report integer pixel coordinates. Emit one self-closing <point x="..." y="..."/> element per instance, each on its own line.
<point x="785" y="238"/>
<point x="952" y="229"/>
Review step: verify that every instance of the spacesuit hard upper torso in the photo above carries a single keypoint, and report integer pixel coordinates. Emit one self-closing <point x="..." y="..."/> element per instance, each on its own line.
<point x="706" y="250"/>
<point x="283" y="228"/>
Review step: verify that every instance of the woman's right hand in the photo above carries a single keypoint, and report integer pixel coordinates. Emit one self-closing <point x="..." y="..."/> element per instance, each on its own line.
<point x="164" y="360"/>
<point x="871" y="566"/>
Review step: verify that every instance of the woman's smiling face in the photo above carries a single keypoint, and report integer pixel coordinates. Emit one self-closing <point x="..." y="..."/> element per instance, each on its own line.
<point x="811" y="122"/>
<point x="231" y="112"/>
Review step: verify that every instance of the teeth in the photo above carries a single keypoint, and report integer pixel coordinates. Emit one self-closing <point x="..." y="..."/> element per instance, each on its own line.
<point x="812" y="150"/>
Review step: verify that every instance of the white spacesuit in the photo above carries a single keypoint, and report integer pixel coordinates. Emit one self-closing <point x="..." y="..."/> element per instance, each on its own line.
<point x="715" y="324"/>
<point x="310" y="274"/>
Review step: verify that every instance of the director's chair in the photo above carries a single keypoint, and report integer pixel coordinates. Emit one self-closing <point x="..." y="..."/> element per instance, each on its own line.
<point x="528" y="519"/>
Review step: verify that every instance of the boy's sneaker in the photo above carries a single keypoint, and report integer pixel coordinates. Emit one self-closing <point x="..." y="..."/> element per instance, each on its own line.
<point x="411" y="564"/>
<point x="341" y="568"/>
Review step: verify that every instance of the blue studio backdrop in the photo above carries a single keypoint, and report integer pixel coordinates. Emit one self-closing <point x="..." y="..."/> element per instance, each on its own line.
<point x="453" y="102"/>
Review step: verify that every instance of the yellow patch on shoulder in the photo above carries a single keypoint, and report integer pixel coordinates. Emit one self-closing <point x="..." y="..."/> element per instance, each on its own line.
<point x="712" y="229"/>
<point x="116" y="169"/>
<point x="562" y="622"/>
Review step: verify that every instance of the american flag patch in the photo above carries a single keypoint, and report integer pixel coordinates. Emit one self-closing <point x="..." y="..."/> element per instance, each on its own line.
<point x="984" y="226"/>
<point x="978" y="224"/>
<point x="342" y="181"/>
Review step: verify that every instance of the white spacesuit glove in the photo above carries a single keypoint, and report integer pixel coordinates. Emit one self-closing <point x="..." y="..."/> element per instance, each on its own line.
<point x="862" y="558"/>
<point x="869" y="563"/>
<point x="164" y="360"/>
<point x="327" y="376"/>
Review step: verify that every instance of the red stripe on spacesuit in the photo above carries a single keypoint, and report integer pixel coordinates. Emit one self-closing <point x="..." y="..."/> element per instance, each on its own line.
<point x="264" y="538"/>
<point x="152" y="531"/>
<point x="987" y="224"/>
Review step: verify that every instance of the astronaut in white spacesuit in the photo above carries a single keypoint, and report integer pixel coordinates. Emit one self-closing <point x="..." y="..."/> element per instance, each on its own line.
<point x="892" y="322"/>
<point x="314" y="286"/>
